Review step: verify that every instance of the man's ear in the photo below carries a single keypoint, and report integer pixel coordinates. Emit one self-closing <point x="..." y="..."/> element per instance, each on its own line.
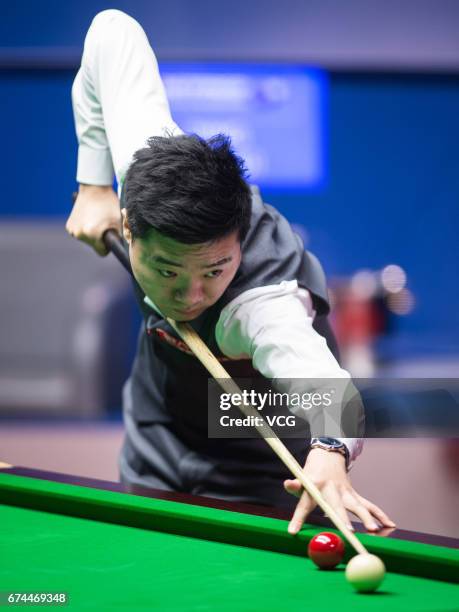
<point x="126" y="229"/>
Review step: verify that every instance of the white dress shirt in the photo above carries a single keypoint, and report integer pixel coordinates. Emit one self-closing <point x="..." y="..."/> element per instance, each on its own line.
<point x="118" y="98"/>
<point x="119" y="102"/>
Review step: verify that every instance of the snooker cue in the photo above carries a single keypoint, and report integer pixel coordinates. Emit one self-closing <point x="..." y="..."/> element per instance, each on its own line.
<point x="113" y="243"/>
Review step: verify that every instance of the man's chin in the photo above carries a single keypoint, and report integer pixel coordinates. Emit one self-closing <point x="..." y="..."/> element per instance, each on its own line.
<point x="183" y="318"/>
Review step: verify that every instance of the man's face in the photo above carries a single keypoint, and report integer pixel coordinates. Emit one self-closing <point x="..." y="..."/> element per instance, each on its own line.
<point x="182" y="280"/>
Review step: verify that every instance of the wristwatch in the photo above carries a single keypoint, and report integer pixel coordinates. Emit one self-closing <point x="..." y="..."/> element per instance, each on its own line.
<point x="333" y="445"/>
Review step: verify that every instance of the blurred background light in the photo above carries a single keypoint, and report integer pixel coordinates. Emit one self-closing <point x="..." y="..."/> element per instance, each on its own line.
<point x="393" y="278"/>
<point x="401" y="303"/>
<point x="364" y="284"/>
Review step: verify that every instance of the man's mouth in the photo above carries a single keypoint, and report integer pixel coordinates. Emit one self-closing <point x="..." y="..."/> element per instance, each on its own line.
<point x="187" y="311"/>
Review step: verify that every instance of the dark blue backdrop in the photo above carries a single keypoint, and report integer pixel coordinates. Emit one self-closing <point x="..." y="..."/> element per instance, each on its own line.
<point x="393" y="195"/>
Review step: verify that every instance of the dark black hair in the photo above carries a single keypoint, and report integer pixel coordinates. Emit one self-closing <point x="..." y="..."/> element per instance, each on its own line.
<point x="187" y="188"/>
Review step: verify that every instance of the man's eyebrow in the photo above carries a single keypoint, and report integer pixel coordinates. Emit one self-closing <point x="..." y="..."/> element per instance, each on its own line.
<point x="220" y="262"/>
<point x="168" y="262"/>
<point x="163" y="260"/>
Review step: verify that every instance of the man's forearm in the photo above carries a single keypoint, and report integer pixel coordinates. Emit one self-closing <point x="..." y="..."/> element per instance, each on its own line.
<point x="274" y="329"/>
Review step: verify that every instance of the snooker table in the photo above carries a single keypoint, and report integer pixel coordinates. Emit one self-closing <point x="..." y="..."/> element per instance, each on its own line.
<point x="110" y="549"/>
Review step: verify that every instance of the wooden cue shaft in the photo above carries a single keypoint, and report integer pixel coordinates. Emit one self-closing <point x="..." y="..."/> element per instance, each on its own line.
<point x="215" y="368"/>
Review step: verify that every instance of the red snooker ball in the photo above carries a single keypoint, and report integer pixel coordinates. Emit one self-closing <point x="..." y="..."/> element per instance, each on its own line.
<point x="326" y="550"/>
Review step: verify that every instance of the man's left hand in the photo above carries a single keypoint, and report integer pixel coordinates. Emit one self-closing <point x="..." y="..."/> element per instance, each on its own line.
<point x="327" y="470"/>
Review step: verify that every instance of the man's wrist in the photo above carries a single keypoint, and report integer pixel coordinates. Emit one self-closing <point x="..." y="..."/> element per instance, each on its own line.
<point x="326" y="456"/>
<point x="85" y="188"/>
<point x="332" y="445"/>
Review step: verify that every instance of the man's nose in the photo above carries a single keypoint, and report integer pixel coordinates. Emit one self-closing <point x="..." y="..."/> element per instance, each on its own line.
<point x="190" y="294"/>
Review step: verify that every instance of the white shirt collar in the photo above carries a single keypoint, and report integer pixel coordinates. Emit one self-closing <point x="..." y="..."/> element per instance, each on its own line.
<point x="150" y="303"/>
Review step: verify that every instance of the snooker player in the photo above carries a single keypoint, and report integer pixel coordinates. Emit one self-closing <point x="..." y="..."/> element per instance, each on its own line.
<point x="204" y="248"/>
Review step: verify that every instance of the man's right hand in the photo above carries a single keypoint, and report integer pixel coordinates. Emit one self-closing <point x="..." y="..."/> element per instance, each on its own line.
<point x="96" y="210"/>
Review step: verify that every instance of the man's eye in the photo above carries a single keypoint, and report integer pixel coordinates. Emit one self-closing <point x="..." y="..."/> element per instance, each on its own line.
<point x="167" y="273"/>
<point x="214" y="274"/>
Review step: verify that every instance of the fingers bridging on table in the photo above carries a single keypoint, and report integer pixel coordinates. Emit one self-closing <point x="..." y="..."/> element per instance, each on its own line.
<point x="303" y="508"/>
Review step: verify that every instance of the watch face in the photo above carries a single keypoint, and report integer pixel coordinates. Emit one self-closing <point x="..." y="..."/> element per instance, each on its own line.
<point x="331" y="442"/>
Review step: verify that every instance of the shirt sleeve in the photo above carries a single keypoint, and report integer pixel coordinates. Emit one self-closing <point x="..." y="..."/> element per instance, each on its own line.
<point x="118" y="98"/>
<point x="254" y="326"/>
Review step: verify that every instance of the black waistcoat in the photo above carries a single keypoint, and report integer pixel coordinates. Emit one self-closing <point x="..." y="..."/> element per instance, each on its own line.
<point x="168" y="385"/>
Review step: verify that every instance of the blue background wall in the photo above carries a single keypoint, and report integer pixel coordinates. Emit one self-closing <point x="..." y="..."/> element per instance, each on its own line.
<point x="393" y="184"/>
<point x="412" y="34"/>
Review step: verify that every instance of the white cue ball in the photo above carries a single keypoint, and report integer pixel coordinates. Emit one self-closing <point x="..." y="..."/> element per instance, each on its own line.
<point x="365" y="572"/>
